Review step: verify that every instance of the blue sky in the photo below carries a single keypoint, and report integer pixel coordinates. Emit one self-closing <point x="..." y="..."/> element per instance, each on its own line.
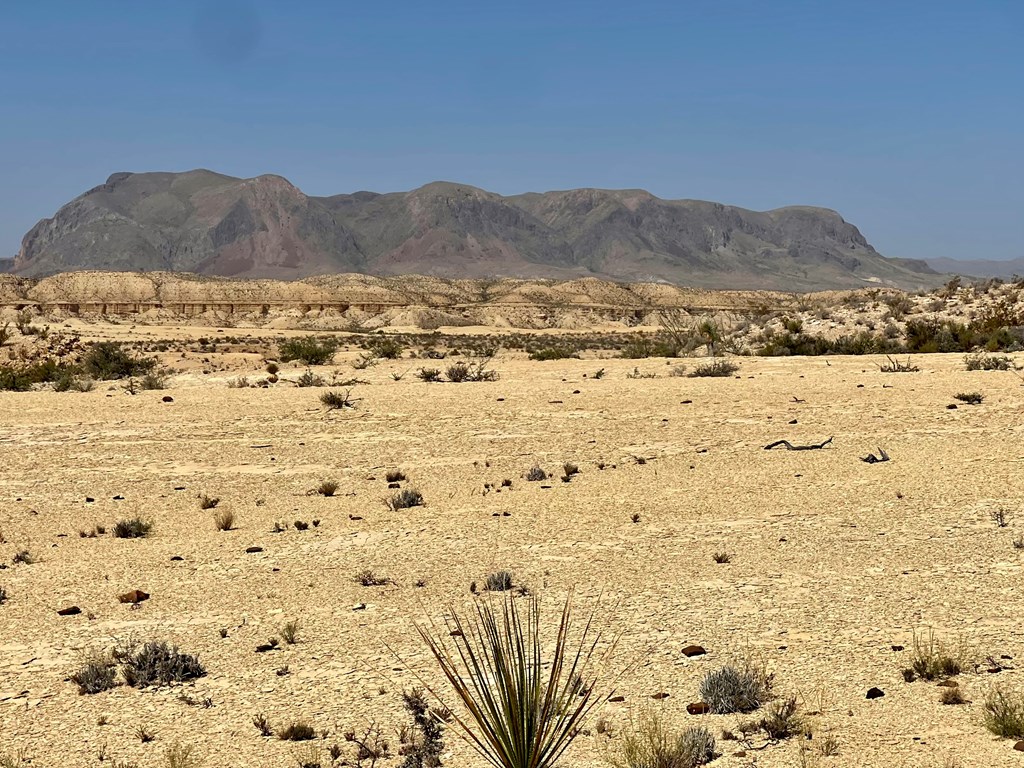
<point x="907" y="117"/>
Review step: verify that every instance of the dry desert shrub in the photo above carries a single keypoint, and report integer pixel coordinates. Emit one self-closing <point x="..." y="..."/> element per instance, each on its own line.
<point x="133" y="528"/>
<point x="536" y="474"/>
<point x="718" y="367"/>
<point x="96" y="675"/>
<point x="499" y="581"/>
<point x="394" y="476"/>
<point x="224" y="519"/>
<point x="932" y="660"/>
<point x="735" y="689"/>
<point x="405" y="499"/>
<point x="368" y="578"/>
<point x="290" y="632"/>
<point x="337" y="400"/>
<point x="297" y="731"/>
<point x="181" y="756"/>
<point x="1004" y="714"/>
<point x="158" y="663"/>
<point x="649" y="744"/>
<point x="327" y="487"/>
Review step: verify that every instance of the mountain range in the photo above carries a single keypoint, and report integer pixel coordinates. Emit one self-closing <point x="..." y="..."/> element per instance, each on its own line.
<point x="265" y="227"/>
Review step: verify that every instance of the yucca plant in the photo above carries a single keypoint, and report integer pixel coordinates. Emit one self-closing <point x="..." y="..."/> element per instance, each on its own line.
<point x="524" y="709"/>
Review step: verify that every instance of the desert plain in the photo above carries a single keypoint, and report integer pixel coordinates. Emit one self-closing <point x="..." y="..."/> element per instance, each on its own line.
<point x="833" y="562"/>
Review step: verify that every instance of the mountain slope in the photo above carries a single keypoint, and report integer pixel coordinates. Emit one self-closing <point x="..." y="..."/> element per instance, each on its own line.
<point x="212" y="224"/>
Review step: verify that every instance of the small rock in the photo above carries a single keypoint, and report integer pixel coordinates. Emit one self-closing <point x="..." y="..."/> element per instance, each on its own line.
<point x="72" y="610"/>
<point x="897" y="647"/>
<point x="89" y="499"/>
<point x="951" y="407"/>
<point x="135" y="596"/>
<point x="176" y="558"/>
<point x="617" y="699"/>
<point x="1019" y="746"/>
<point x="359" y="607"/>
<point x="119" y="497"/>
<point x="659" y="696"/>
<point x="875" y="693"/>
<point x="793" y="421"/>
<point x="394" y="485"/>
<point x="741" y="753"/>
<point x="253" y="550"/>
<point x="698" y="708"/>
<point x="693" y="650"/>
<point x="167" y="399"/>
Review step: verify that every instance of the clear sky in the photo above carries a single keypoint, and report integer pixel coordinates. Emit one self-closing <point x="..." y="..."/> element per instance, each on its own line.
<point x="906" y="116"/>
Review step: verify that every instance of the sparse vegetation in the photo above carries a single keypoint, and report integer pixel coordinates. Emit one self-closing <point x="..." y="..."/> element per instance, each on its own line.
<point x="370" y="579"/>
<point x="158" y="663"/>
<point x="1004" y="714"/>
<point x="499" y="581"/>
<point x="108" y="360"/>
<point x="423" y="745"/>
<point x="297" y="731"/>
<point x="96" y="675"/>
<point x="536" y="474"/>
<point x="971" y="398"/>
<point x="181" y="756"/>
<point x="931" y="660"/>
<point x="206" y="502"/>
<point x="429" y="374"/>
<point x="893" y="365"/>
<point x="735" y="689"/>
<point x="717" y="367"/>
<point x="327" y="487"/>
<point x="649" y="744"/>
<point x="290" y="632"/>
<point x="405" y="499"/>
<point x="986" y="362"/>
<point x="133" y="528"/>
<point x="394" y="476"/>
<point x="534" y="704"/>
<point x="335" y="400"/>
<point x="224" y="519"/>
<point x="308" y="350"/>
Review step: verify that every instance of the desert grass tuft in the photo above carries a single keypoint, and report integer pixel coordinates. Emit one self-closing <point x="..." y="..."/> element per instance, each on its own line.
<point x="932" y="660"/>
<point x="649" y="744"/>
<point x="290" y="632"/>
<point x="133" y="528"/>
<point x="1004" y="714"/>
<point x="224" y="519"/>
<point x="158" y="663"/>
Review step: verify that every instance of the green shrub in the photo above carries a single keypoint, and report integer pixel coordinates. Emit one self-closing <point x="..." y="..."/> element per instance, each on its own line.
<point x="308" y="349"/>
<point x="107" y="360"/>
<point x="1004" y="714"/>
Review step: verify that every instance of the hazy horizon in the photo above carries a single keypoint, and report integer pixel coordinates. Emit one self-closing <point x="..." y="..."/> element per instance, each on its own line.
<point x="901" y="119"/>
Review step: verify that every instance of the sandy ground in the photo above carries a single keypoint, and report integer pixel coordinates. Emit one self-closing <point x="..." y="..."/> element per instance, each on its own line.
<point x="833" y="560"/>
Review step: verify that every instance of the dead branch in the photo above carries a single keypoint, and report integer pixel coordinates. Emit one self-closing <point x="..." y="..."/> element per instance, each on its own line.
<point x="791" y="447"/>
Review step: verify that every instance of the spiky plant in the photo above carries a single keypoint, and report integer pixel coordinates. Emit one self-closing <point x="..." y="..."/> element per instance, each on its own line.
<point x="522" y="710"/>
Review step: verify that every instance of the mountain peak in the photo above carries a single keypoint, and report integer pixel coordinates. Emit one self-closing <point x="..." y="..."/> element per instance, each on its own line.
<point x="205" y="222"/>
